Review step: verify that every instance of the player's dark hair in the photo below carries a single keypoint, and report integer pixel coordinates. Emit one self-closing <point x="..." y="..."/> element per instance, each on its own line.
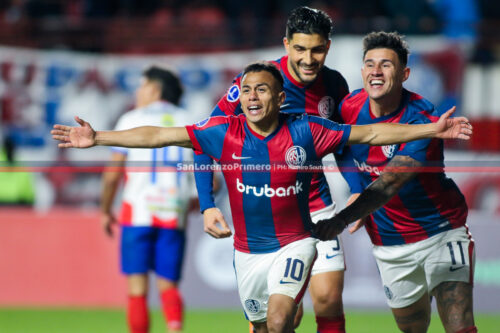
<point x="267" y="67"/>
<point x="387" y="40"/>
<point x="171" y="87"/>
<point x="308" y="21"/>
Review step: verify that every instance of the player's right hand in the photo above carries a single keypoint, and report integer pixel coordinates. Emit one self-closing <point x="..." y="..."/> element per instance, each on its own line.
<point x="107" y="222"/>
<point x="328" y="229"/>
<point x="212" y="218"/>
<point x="74" y="137"/>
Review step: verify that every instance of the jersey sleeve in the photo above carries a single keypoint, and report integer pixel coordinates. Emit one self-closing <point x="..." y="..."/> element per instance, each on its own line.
<point x="229" y="104"/>
<point x="203" y="177"/>
<point x="348" y="170"/>
<point x="416" y="149"/>
<point x="207" y="136"/>
<point x="328" y="136"/>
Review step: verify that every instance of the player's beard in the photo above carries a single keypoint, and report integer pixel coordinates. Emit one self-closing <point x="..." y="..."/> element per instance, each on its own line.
<point x="305" y="79"/>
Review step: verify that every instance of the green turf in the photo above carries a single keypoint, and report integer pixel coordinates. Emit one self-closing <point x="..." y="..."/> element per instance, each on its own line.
<point x="202" y="321"/>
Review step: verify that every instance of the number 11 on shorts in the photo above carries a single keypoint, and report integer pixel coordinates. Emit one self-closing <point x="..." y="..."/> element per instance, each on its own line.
<point x="453" y="255"/>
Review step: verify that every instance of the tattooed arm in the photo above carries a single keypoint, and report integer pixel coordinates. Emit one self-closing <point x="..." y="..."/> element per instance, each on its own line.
<point x="399" y="171"/>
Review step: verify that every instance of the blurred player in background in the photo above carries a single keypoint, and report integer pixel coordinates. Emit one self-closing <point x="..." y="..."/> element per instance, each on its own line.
<point x="316" y="89"/>
<point x="274" y="247"/>
<point x="422" y="244"/>
<point x="154" y="204"/>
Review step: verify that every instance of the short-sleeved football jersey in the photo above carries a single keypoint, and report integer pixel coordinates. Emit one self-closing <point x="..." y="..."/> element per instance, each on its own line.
<point x="267" y="184"/>
<point x="155" y="193"/>
<point x="318" y="98"/>
<point x="428" y="204"/>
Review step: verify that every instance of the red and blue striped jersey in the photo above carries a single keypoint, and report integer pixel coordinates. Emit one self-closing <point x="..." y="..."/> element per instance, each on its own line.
<point x="321" y="98"/>
<point x="268" y="189"/>
<point x="428" y="204"/>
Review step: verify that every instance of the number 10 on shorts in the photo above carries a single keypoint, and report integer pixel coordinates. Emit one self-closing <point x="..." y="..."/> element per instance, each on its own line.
<point x="294" y="269"/>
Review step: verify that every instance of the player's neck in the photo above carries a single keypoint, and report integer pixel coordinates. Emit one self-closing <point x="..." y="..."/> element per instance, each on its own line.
<point x="384" y="106"/>
<point x="264" y="128"/>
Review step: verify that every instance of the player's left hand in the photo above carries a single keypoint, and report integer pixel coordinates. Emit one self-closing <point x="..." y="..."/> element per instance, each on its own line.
<point x="453" y="128"/>
<point x="330" y="228"/>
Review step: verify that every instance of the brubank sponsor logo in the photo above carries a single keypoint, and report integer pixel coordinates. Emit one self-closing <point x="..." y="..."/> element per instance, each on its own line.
<point x="368" y="168"/>
<point x="267" y="191"/>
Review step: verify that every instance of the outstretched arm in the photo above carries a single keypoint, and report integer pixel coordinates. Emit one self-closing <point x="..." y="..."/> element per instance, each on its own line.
<point x="139" y="137"/>
<point x="390" y="133"/>
<point x="399" y="171"/>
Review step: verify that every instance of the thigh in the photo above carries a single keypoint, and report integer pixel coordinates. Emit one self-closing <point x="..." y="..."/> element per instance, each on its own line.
<point x="285" y="272"/>
<point x="415" y="317"/>
<point x="137" y="249"/>
<point x="330" y="257"/>
<point x="454" y="303"/>
<point x="451" y="259"/>
<point x="290" y="271"/>
<point x="251" y="276"/>
<point x="402" y="274"/>
<point x="450" y="270"/>
<point x="169" y="253"/>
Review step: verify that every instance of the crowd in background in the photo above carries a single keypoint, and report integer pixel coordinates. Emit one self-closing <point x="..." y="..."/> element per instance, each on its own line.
<point x="35" y="89"/>
<point x="168" y="26"/>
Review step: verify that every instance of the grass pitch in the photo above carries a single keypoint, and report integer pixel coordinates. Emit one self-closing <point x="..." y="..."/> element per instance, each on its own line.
<point x="196" y="321"/>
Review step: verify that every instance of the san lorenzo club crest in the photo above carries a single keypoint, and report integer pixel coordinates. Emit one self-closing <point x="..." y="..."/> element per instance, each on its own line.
<point x="252" y="305"/>
<point x="388" y="292"/>
<point x="389" y="150"/>
<point x="326" y="106"/>
<point x="295" y="157"/>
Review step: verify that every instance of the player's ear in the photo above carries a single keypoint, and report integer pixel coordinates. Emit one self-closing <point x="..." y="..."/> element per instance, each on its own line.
<point x="281" y="97"/>
<point x="406" y="73"/>
<point x="286" y="43"/>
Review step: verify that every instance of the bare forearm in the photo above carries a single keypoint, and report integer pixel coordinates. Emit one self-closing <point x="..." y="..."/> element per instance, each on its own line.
<point x="386" y="134"/>
<point x="372" y="198"/>
<point x="145" y="137"/>
<point x="399" y="171"/>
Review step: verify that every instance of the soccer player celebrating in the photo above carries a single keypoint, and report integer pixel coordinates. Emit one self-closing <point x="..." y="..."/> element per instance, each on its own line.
<point x="274" y="246"/>
<point x="421" y="242"/>
<point x="154" y="205"/>
<point x="317" y="90"/>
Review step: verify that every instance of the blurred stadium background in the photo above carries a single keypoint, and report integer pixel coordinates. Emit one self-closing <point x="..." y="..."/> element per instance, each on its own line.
<point x="84" y="57"/>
